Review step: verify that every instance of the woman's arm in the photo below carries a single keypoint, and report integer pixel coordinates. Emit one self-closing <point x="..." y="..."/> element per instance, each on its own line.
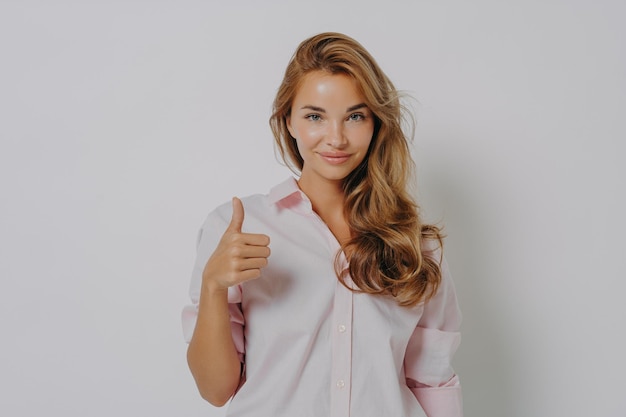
<point x="427" y="361"/>
<point x="212" y="356"/>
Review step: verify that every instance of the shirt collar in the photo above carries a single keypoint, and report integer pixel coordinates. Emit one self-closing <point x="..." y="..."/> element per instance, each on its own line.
<point x="288" y="194"/>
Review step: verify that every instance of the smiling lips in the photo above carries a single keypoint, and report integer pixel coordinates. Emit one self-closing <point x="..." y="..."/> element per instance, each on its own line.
<point x="335" y="158"/>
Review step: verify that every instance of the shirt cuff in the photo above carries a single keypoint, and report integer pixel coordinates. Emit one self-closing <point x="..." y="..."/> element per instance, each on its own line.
<point x="429" y="355"/>
<point x="442" y="401"/>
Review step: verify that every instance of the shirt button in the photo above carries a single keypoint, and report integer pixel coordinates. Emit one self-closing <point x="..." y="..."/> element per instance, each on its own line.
<point x="341" y="384"/>
<point x="341" y="328"/>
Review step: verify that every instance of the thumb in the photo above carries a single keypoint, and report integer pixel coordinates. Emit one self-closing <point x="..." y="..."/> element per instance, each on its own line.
<point x="237" y="220"/>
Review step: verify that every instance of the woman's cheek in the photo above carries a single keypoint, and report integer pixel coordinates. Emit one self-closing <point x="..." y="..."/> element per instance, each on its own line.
<point x="314" y="133"/>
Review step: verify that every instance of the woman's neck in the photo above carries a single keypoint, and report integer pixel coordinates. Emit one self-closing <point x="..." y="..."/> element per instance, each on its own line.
<point x="324" y="195"/>
<point x="327" y="199"/>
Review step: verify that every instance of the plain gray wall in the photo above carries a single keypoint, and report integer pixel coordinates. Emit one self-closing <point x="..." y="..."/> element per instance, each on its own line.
<point x="124" y="122"/>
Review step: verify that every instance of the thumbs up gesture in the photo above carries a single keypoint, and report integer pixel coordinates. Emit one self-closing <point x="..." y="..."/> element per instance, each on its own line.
<point x="238" y="257"/>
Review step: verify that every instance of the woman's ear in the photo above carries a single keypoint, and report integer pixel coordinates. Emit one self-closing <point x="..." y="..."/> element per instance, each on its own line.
<point x="289" y="128"/>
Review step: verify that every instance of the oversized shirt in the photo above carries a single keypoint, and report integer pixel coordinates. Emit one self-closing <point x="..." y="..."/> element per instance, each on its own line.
<point x="311" y="347"/>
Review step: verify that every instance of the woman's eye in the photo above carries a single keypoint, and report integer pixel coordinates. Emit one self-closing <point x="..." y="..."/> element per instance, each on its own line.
<point x="356" y="117"/>
<point x="314" y="117"/>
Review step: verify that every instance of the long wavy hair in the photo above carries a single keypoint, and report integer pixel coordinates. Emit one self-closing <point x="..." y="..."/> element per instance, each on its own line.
<point x="386" y="252"/>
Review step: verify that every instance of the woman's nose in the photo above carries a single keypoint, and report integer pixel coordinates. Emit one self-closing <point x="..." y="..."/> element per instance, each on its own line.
<point x="335" y="136"/>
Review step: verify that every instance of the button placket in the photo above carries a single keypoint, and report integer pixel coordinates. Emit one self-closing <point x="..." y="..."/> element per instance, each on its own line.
<point x="342" y="351"/>
<point x="341" y="339"/>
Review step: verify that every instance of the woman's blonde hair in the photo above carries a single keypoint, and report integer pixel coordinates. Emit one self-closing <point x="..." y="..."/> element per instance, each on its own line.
<point x="385" y="253"/>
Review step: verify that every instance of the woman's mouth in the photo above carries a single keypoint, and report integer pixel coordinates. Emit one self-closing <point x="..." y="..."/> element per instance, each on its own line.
<point x="335" y="158"/>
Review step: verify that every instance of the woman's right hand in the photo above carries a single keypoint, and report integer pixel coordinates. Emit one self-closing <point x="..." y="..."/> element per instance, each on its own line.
<point x="238" y="257"/>
<point x="212" y="355"/>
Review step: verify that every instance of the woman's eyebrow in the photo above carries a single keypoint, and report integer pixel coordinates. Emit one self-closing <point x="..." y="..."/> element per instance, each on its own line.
<point x="356" y="107"/>
<point x="314" y="108"/>
<point x="321" y="110"/>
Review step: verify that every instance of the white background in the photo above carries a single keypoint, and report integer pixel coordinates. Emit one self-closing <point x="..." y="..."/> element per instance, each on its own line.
<point x="123" y="123"/>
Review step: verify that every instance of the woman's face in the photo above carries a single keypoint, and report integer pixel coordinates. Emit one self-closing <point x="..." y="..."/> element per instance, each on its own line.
<point x="332" y="125"/>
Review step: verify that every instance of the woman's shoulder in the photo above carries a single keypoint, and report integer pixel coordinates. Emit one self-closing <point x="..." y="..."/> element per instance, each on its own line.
<point x="255" y="204"/>
<point x="250" y="202"/>
<point x="432" y="247"/>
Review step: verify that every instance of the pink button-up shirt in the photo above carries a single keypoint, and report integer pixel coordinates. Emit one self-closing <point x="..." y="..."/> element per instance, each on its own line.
<point x="310" y="346"/>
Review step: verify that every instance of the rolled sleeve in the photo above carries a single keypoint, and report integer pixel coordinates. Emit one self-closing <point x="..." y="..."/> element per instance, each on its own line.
<point x="428" y="358"/>
<point x="236" y="320"/>
<point x="207" y="240"/>
<point x="443" y="401"/>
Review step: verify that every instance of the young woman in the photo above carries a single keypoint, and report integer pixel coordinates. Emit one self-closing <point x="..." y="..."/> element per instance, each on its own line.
<point x="353" y="311"/>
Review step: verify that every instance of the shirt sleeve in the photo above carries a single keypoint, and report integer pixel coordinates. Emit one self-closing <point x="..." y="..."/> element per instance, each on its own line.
<point x="208" y="238"/>
<point x="427" y="361"/>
